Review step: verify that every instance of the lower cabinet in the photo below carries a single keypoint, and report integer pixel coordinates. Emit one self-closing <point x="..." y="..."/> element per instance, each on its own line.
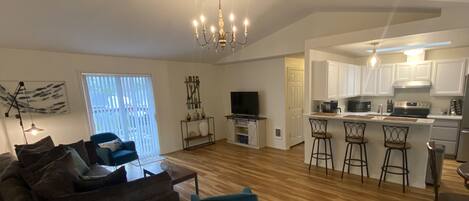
<point x="247" y="132"/>
<point x="446" y="132"/>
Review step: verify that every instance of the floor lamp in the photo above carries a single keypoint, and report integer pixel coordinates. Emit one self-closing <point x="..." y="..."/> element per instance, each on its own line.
<point x="14" y="104"/>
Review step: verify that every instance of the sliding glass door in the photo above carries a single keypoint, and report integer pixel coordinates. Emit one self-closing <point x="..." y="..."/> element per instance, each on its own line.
<point x="124" y="105"/>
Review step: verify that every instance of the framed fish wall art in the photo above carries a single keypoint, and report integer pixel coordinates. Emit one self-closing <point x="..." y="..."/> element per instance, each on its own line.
<point x="39" y="97"/>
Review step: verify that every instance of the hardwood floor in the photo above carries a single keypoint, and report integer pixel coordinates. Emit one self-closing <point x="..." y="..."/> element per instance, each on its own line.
<point x="276" y="175"/>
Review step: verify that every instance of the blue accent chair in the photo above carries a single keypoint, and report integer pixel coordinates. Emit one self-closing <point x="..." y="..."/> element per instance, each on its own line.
<point x="126" y="154"/>
<point x="245" y="195"/>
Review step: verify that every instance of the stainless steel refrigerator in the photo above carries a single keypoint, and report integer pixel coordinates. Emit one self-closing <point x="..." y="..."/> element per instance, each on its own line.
<point x="463" y="146"/>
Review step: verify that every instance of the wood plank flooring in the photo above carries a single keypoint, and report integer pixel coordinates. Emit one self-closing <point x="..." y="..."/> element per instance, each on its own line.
<point x="276" y="175"/>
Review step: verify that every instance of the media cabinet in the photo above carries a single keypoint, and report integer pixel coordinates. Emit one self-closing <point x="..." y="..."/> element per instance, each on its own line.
<point x="247" y="131"/>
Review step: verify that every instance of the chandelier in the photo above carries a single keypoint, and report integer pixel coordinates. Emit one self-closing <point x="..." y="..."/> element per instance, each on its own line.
<point x="218" y="37"/>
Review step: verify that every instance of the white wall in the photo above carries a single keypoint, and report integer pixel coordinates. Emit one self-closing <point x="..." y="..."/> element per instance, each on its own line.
<point x="267" y="77"/>
<point x="169" y="91"/>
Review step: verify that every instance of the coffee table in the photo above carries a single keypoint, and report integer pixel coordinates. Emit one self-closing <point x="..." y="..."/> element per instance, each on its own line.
<point x="177" y="173"/>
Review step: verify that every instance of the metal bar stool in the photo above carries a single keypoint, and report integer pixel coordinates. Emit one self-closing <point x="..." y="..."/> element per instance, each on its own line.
<point x="319" y="132"/>
<point x="395" y="138"/>
<point x="355" y="135"/>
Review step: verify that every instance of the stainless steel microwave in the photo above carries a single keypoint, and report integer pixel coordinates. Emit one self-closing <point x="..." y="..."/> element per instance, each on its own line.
<point x="358" y="106"/>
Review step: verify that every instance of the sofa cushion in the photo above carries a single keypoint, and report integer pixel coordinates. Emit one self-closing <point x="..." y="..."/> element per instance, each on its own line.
<point x="57" y="179"/>
<point x="5" y="160"/>
<point x="31" y="153"/>
<point x="14" y="189"/>
<point x="13" y="170"/>
<point x="97" y="171"/>
<point x="80" y="148"/>
<point x="91" y="150"/>
<point x="87" y="183"/>
<point x="44" y="143"/>
<point x="80" y="166"/>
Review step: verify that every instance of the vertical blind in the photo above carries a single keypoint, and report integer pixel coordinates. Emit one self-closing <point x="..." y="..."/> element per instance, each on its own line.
<point x="124" y="105"/>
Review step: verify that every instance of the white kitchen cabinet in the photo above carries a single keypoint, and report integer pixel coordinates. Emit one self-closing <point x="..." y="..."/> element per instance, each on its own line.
<point x="448" y="78"/>
<point x="385" y="80"/>
<point x="446" y="132"/>
<point x="358" y="80"/>
<point x="333" y="80"/>
<point x="422" y="71"/>
<point x="403" y="72"/>
<point x="413" y="72"/>
<point x="368" y="81"/>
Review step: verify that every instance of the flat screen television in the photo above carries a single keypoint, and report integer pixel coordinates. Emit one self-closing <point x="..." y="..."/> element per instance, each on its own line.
<point x="245" y="103"/>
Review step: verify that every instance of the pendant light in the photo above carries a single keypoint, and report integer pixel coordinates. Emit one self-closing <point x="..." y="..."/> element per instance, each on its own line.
<point x="373" y="59"/>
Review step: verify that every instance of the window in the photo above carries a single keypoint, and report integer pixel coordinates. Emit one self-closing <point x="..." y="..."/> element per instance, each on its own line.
<point x="124" y="105"/>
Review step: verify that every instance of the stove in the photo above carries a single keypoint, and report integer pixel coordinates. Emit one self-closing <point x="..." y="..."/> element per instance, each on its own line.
<point x="417" y="109"/>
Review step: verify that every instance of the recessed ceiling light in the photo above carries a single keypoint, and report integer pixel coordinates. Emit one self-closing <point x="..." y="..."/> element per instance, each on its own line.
<point x="411" y="47"/>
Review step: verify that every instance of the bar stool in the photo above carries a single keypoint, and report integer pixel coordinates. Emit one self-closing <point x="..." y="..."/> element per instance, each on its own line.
<point x="395" y="138"/>
<point x="355" y="135"/>
<point x="319" y="132"/>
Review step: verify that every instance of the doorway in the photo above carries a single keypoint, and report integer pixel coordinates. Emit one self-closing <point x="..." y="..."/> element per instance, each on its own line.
<point x="295" y="94"/>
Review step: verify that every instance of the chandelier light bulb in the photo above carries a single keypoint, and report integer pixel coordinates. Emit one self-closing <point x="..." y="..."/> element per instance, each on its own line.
<point x="246" y="22"/>
<point x="212" y="29"/>
<point x="232" y="17"/>
<point x="202" y="19"/>
<point x="234" y="29"/>
<point x="195" y="23"/>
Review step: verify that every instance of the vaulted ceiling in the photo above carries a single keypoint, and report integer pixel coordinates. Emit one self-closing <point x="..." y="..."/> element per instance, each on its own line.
<point x="160" y="29"/>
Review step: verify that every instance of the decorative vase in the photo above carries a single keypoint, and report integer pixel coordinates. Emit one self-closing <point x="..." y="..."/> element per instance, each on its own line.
<point x="203" y="128"/>
<point x="188" y="117"/>
<point x="202" y="114"/>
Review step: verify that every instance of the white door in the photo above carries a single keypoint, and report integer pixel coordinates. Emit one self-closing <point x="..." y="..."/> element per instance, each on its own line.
<point x="295" y="83"/>
<point x="423" y="71"/>
<point x="404" y="72"/>
<point x="368" y="87"/>
<point x="385" y="80"/>
<point x="448" y="78"/>
<point x="332" y="80"/>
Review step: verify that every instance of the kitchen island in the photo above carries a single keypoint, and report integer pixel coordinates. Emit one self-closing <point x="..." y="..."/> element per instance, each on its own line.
<point x="419" y="135"/>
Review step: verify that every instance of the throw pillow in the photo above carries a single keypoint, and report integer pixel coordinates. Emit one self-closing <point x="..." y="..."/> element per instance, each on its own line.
<point x="44" y="143"/>
<point x="34" y="172"/>
<point x="80" y="166"/>
<point x="27" y="154"/>
<point x="92" y="183"/>
<point x="113" y="145"/>
<point x="57" y="180"/>
<point x="81" y="150"/>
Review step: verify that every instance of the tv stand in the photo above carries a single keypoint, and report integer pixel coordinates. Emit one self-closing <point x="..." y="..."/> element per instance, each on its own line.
<point x="248" y="131"/>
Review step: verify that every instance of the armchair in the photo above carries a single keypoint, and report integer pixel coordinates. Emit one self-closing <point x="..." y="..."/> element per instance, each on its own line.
<point x="126" y="154"/>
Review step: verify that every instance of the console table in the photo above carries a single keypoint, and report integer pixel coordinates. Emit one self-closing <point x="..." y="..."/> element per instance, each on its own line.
<point x="187" y="139"/>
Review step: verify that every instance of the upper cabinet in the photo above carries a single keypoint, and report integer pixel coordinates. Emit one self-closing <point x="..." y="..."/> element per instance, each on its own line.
<point x="385" y="80"/>
<point x="333" y="80"/>
<point x="412" y="72"/>
<point x="448" y="78"/>
<point x="368" y="83"/>
<point x="378" y="81"/>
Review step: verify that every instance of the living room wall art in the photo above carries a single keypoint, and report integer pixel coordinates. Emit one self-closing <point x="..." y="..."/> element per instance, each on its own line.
<point x="40" y="97"/>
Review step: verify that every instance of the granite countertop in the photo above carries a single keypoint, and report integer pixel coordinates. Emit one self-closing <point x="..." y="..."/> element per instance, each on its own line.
<point x="373" y="117"/>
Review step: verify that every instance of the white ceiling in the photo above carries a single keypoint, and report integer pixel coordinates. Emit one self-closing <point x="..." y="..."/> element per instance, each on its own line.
<point x="458" y="38"/>
<point x="159" y="29"/>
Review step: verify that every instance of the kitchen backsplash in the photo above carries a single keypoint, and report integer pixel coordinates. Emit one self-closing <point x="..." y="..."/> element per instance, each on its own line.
<point x="439" y="104"/>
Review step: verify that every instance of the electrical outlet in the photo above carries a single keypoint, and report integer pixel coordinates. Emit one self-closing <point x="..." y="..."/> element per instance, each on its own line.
<point x="278" y="133"/>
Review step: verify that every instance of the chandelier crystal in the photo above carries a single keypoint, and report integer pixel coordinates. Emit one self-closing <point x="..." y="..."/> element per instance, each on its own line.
<point x="218" y="37"/>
